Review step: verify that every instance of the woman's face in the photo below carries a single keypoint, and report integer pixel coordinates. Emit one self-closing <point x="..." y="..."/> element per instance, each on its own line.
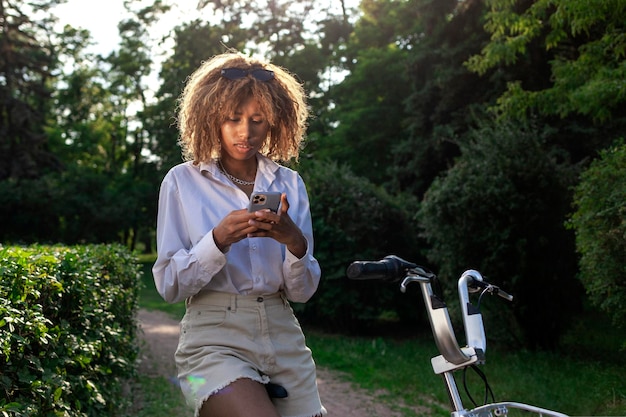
<point x="244" y="132"/>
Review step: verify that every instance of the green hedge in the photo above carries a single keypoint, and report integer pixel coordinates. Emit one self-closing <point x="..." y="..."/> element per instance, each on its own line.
<point x="67" y="329"/>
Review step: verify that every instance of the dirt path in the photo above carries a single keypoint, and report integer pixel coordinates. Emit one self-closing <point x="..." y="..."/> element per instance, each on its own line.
<point x="340" y="398"/>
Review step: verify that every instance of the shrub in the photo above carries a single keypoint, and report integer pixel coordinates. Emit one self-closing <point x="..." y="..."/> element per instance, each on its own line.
<point x="355" y="220"/>
<point x="67" y="329"/>
<point x="600" y="225"/>
<point x="501" y="210"/>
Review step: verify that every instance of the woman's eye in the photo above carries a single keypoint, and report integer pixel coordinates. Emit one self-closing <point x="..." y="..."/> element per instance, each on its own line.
<point x="237" y="119"/>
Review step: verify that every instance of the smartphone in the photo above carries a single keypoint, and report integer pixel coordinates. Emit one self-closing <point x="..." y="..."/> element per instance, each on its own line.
<point x="262" y="200"/>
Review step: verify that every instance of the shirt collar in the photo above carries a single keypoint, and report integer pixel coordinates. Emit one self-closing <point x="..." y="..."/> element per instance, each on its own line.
<point x="266" y="172"/>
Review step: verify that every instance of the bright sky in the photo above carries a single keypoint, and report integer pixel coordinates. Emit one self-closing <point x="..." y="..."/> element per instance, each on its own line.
<point x="101" y="18"/>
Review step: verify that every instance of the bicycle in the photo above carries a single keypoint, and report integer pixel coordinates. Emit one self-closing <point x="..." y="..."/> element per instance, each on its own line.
<point x="452" y="358"/>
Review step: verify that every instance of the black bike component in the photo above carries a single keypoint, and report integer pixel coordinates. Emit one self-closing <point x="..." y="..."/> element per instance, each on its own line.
<point x="437" y="302"/>
<point x="390" y="268"/>
<point x="483" y="377"/>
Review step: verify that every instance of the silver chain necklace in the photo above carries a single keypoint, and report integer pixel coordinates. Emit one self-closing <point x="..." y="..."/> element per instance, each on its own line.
<point x="233" y="178"/>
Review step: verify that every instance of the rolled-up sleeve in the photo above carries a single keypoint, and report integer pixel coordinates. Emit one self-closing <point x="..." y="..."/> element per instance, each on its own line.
<point x="182" y="267"/>
<point x="302" y="275"/>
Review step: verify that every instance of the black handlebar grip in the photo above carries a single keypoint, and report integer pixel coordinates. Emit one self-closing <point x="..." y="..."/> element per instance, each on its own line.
<point x="389" y="268"/>
<point x="368" y="270"/>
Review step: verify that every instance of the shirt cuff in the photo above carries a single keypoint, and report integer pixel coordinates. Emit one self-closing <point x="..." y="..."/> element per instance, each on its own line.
<point x="209" y="256"/>
<point x="297" y="266"/>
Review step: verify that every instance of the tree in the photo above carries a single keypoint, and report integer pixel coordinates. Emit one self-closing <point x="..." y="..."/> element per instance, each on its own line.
<point x="444" y="97"/>
<point x="583" y="97"/>
<point x="368" y="113"/>
<point x="107" y="188"/>
<point x="365" y="115"/>
<point x="299" y="35"/>
<point x="501" y="209"/>
<point x="85" y="127"/>
<point x="27" y="63"/>
<point x="389" y="22"/>
<point x="587" y="44"/>
<point x="130" y="67"/>
<point x="599" y="221"/>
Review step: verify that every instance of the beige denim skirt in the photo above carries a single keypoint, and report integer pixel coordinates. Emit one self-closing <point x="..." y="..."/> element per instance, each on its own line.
<point x="225" y="337"/>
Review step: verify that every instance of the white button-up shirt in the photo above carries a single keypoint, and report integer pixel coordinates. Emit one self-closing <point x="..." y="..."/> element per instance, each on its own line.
<point x="193" y="199"/>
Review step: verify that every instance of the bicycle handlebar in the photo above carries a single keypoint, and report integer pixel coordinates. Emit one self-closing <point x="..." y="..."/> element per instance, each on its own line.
<point x="390" y="268"/>
<point x="452" y="357"/>
<point x="393" y="268"/>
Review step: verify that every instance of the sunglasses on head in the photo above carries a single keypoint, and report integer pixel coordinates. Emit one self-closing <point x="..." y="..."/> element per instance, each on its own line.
<point x="237" y="73"/>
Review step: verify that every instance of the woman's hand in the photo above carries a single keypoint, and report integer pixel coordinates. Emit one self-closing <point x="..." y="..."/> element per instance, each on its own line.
<point x="280" y="227"/>
<point x="233" y="228"/>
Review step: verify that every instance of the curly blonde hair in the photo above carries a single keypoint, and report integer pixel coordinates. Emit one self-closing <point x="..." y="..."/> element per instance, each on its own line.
<point x="209" y="99"/>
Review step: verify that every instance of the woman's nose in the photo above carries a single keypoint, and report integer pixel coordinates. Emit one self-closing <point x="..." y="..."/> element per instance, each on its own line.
<point x="243" y="130"/>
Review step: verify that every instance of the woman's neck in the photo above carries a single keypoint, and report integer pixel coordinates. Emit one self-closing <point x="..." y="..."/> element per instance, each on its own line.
<point x="243" y="169"/>
<point x="241" y="173"/>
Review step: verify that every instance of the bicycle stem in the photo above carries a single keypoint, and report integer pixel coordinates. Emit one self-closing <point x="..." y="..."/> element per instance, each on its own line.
<point x="452" y="356"/>
<point x="472" y="319"/>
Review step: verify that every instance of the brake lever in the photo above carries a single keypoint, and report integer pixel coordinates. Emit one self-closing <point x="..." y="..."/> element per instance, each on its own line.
<point x="494" y="289"/>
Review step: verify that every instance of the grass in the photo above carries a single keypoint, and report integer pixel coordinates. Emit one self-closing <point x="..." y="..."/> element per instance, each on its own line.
<point x="550" y="380"/>
<point x="396" y="371"/>
<point x="149" y="298"/>
<point x="156" y="396"/>
<point x="583" y="380"/>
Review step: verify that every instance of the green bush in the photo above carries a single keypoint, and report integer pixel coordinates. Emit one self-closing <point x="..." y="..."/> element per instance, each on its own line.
<point x="355" y="220"/>
<point x="67" y="329"/>
<point x="600" y="225"/>
<point x="501" y="210"/>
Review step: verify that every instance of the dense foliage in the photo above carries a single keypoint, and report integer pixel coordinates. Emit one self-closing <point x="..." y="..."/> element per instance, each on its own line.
<point x="27" y="62"/>
<point x="498" y="210"/>
<point x="79" y="205"/>
<point x="600" y="224"/>
<point x="67" y="329"/>
<point x="354" y="219"/>
<point x="586" y="45"/>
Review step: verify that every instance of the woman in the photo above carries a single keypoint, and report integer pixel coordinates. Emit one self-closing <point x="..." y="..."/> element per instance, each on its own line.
<point x="237" y="269"/>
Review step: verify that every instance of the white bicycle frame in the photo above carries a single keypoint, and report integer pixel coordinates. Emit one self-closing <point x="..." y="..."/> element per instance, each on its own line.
<point x="453" y="357"/>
